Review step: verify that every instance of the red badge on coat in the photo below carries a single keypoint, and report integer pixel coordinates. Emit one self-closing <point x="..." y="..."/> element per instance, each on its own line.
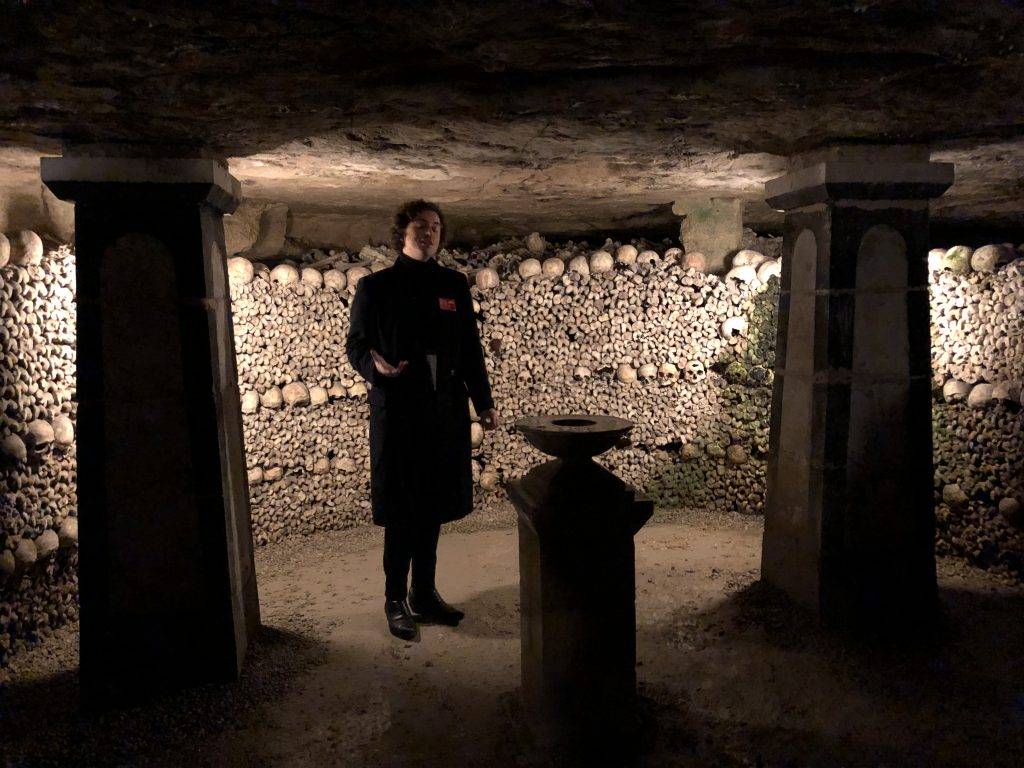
<point x="447" y="304"/>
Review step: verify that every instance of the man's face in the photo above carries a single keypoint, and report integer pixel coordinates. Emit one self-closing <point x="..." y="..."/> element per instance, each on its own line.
<point x="423" y="236"/>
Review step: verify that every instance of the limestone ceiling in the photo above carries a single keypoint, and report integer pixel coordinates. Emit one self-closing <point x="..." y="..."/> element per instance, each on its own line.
<point x="537" y="114"/>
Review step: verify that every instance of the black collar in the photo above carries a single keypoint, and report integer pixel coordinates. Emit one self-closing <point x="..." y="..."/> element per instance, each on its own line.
<point x="407" y="261"/>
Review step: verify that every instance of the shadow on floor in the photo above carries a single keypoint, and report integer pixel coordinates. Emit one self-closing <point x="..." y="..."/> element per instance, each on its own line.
<point x="492" y="613"/>
<point x="763" y="681"/>
<point x="41" y="723"/>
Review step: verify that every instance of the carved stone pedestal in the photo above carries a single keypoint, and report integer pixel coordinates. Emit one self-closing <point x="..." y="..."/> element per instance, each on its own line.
<point x="577" y="592"/>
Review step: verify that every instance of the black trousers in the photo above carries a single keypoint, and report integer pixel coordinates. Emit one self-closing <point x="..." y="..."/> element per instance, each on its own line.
<point x="415" y="544"/>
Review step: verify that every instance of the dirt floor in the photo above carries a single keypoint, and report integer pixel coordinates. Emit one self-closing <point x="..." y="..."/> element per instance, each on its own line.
<point x="729" y="674"/>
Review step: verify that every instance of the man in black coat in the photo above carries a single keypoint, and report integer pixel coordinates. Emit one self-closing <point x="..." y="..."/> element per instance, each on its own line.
<point x="414" y="338"/>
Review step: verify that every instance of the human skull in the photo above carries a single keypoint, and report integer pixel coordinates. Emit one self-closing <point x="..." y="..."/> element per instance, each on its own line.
<point x="648" y="258"/>
<point x="240" y="271"/>
<point x="689" y="451"/>
<point x="535" y="243"/>
<point x="581" y="372"/>
<point x="747" y="258"/>
<point x="487" y="278"/>
<point x="1007" y="390"/>
<point x="295" y="393"/>
<point x="743" y="274"/>
<point x="67" y="534"/>
<point x="354" y="275"/>
<point x="989" y="258"/>
<point x="696" y="261"/>
<point x="625" y="373"/>
<point x="935" y="256"/>
<point x="626" y="254"/>
<point x="553" y="267"/>
<point x="769" y="268"/>
<point x="38" y="437"/>
<point x="63" y="432"/>
<point x="285" y="274"/>
<point x="601" y="261"/>
<point x="673" y="254"/>
<point x="311" y="277"/>
<point x="694" y="371"/>
<point x="25" y="554"/>
<point x="980" y="395"/>
<point x="647" y="371"/>
<point x="26" y="248"/>
<point x="272" y="398"/>
<point x="529" y="268"/>
<point x="580" y="265"/>
<point x="476" y="434"/>
<point x="47" y="543"/>
<point x="958" y="259"/>
<point x="489" y="480"/>
<point x="954" y="391"/>
<point x="736" y="454"/>
<point x="14" y="448"/>
<point x="250" y="402"/>
<point x="335" y="278"/>
<point x="734" y="328"/>
<point x="668" y="374"/>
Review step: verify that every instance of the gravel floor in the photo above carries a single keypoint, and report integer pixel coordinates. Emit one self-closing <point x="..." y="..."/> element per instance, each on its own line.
<point x="729" y="674"/>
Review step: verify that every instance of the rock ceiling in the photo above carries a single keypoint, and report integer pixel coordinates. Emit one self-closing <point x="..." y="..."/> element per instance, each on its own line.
<point x="557" y="115"/>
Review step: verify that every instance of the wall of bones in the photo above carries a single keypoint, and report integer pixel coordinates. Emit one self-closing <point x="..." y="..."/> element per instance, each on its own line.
<point x="38" y="502"/>
<point x="643" y="333"/>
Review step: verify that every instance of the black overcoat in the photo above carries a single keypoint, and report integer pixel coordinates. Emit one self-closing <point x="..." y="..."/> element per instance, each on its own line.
<point x="419" y="420"/>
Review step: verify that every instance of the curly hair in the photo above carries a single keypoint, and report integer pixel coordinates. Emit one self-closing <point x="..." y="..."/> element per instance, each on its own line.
<point x="408" y="212"/>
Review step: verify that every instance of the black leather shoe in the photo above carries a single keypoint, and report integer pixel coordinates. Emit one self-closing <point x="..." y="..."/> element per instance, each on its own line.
<point x="429" y="608"/>
<point x="400" y="621"/>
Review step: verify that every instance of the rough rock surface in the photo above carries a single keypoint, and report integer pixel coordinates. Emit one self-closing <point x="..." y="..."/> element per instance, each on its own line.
<point x="524" y="120"/>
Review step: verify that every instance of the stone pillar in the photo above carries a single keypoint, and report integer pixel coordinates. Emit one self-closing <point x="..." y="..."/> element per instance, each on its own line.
<point x="167" y="582"/>
<point x="713" y="227"/>
<point x="850" y="521"/>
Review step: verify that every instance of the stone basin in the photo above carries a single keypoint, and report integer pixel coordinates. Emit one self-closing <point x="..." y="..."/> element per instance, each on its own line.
<point x="573" y="436"/>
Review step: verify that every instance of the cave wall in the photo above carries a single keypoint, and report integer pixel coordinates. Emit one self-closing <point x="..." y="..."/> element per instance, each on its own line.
<point x="558" y="340"/>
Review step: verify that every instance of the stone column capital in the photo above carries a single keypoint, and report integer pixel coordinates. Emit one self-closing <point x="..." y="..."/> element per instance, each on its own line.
<point x="204" y="180"/>
<point x="833" y="181"/>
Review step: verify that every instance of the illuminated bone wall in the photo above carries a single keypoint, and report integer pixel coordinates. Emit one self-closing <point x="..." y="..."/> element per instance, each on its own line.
<point x="38" y="516"/>
<point x="637" y="332"/>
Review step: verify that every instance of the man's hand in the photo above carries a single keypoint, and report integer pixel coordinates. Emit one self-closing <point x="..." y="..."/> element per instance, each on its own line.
<point x="384" y="367"/>
<point x="489" y="419"/>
